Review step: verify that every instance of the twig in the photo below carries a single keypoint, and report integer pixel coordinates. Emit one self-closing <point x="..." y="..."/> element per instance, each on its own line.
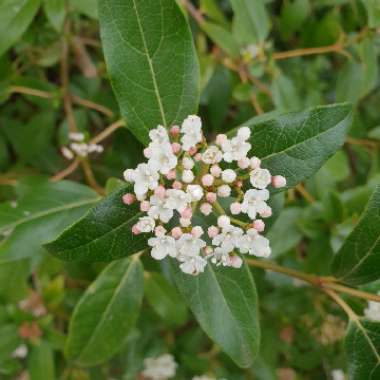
<point x="324" y="283"/>
<point x="301" y="189"/>
<point x="256" y="104"/>
<point x="363" y="142"/>
<point x="90" y="104"/>
<point x="108" y="131"/>
<point x="89" y="174"/>
<point x="350" y="313"/>
<point x="31" y="91"/>
<point x="194" y="12"/>
<point x="66" y="172"/>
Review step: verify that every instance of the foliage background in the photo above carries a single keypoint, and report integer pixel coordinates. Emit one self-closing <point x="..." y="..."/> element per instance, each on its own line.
<point x="53" y="78"/>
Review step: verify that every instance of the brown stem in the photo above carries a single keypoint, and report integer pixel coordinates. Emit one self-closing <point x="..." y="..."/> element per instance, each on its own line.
<point x="194" y="12"/>
<point x="256" y="104"/>
<point x="350" y="313"/>
<point x="66" y="172"/>
<point x="95" y="106"/>
<point x="90" y="178"/>
<point x="108" y="131"/>
<point x="301" y="189"/>
<point x="31" y="91"/>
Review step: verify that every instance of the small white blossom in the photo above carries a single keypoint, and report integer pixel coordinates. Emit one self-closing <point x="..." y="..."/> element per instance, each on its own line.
<point x="373" y="311"/>
<point x="195" y="192"/>
<point x="203" y="377"/>
<point x="254" y="244"/>
<point x="20" y="352"/>
<point x="160" y="368"/>
<point x="254" y="202"/>
<point x="177" y="199"/>
<point x="337" y="374"/>
<point x="76" y="136"/>
<point x="129" y="175"/>
<point x="192" y="132"/>
<point x="159" y="209"/>
<point x="162" y="158"/>
<point x="212" y="155"/>
<point x="228" y="175"/>
<point x="235" y="149"/>
<point x="67" y="153"/>
<point x="224" y="191"/>
<point x="159" y="136"/>
<point x="187" y="163"/>
<point x="229" y="238"/>
<point x="189" y="248"/>
<point x="162" y="246"/>
<point x="260" y="178"/>
<point x="187" y="176"/>
<point x="145" y="179"/>
<point x="146" y="224"/>
<point x="193" y="265"/>
<point x="244" y="133"/>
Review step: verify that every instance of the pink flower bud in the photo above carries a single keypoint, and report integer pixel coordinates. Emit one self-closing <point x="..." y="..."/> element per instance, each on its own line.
<point x="208" y="250"/>
<point x="128" y="198"/>
<point x="160" y="191"/>
<point x="211" y="197"/>
<point x="184" y="222"/>
<point x="266" y="213"/>
<point x="278" y="181"/>
<point x="206" y="209"/>
<point x="176" y="232"/>
<point x="215" y="170"/>
<point x="135" y="230"/>
<point x="193" y="150"/>
<point x="198" y="157"/>
<point x="144" y="206"/>
<point x="177" y="185"/>
<point x="255" y="162"/>
<point x="197" y="231"/>
<point x="258" y="225"/>
<point x="212" y="231"/>
<point x="171" y="175"/>
<point x="220" y="139"/>
<point x="147" y="153"/>
<point x="236" y="261"/>
<point x="176" y="148"/>
<point x="207" y="180"/>
<point x="174" y="131"/>
<point x="244" y="163"/>
<point x="159" y="231"/>
<point x="187" y="213"/>
<point x="239" y="183"/>
<point x="235" y="208"/>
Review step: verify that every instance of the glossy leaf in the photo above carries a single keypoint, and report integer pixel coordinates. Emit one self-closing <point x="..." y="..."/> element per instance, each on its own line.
<point x="103" y="234"/>
<point x="55" y="12"/>
<point x="362" y="345"/>
<point x="41" y="362"/>
<point x="373" y="11"/>
<point x="224" y="301"/>
<point x="106" y="313"/>
<point x="15" y="17"/>
<point x="164" y="299"/>
<point x="251" y="22"/>
<point x="297" y="144"/>
<point x="358" y="260"/>
<point x="13" y="277"/>
<point x="42" y="211"/>
<point x="151" y="62"/>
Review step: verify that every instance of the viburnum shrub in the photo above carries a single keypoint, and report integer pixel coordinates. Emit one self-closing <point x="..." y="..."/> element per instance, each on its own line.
<point x="189" y="190"/>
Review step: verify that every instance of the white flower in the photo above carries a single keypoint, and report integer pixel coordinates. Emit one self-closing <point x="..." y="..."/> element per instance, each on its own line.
<point x="235" y="149"/>
<point x="337" y="374"/>
<point x="177" y="199"/>
<point x="193" y="265"/>
<point x="195" y="192"/>
<point x="212" y="155"/>
<point x="159" y="136"/>
<point x="228" y="238"/>
<point x="145" y="179"/>
<point x="81" y="149"/>
<point x="254" y="202"/>
<point x="220" y="257"/>
<point x="228" y="175"/>
<point x="192" y="132"/>
<point x="244" y="133"/>
<point x="67" y="153"/>
<point x="187" y="163"/>
<point x="159" y="209"/>
<point x="189" y="246"/>
<point x="146" y="224"/>
<point x="160" y="368"/>
<point x="162" y="246"/>
<point x="373" y="311"/>
<point x="76" y="136"/>
<point x="20" y="352"/>
<point x="260" y="178"/>
<point x="224" y="191"/>
<point x="187" y="176"/>
<point x="254" y="244"/>
<point x="203" y="377"/>
<point x="129" y="175"/>
<point x="162" y="158"/>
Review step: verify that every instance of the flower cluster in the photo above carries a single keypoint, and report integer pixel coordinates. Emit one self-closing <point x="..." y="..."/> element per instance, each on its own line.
<point x="79" y="147"/>
<point x="184" y="175"/>
<point x="372" y="311"/>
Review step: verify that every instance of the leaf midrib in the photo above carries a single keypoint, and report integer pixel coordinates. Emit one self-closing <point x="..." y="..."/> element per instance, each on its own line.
<point x="133" y="261"/>
<point x="53" y="210"/>
<point x="150" y="63"/>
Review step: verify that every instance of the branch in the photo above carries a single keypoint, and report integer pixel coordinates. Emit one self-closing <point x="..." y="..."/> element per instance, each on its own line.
<point x="95" y="106"/>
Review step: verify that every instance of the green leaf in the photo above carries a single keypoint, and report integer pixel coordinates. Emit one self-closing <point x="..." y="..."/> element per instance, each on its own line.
<point x="41" y="362"/>
<point x="285" y="96"/>
<point x="42" y="211"/>
<point x="9" y="341"/>
<point x="88" y="8"/>
<point x="151" y="62"/>
<point x="103" y="234"/>
<point x="373" y="10"/>
<point x="251" y="22"/>
<point x="15" y="17"/>
<point x="13" y="276"/>
<point x="224" y="301"/>
<point x="164" y="299"/>
<point x="55" y="12"/>
<point x="106" y="313"/>
<point x="297" y="144"/>
<point x="362" y="345"/>
<point x="358" y="260"/>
